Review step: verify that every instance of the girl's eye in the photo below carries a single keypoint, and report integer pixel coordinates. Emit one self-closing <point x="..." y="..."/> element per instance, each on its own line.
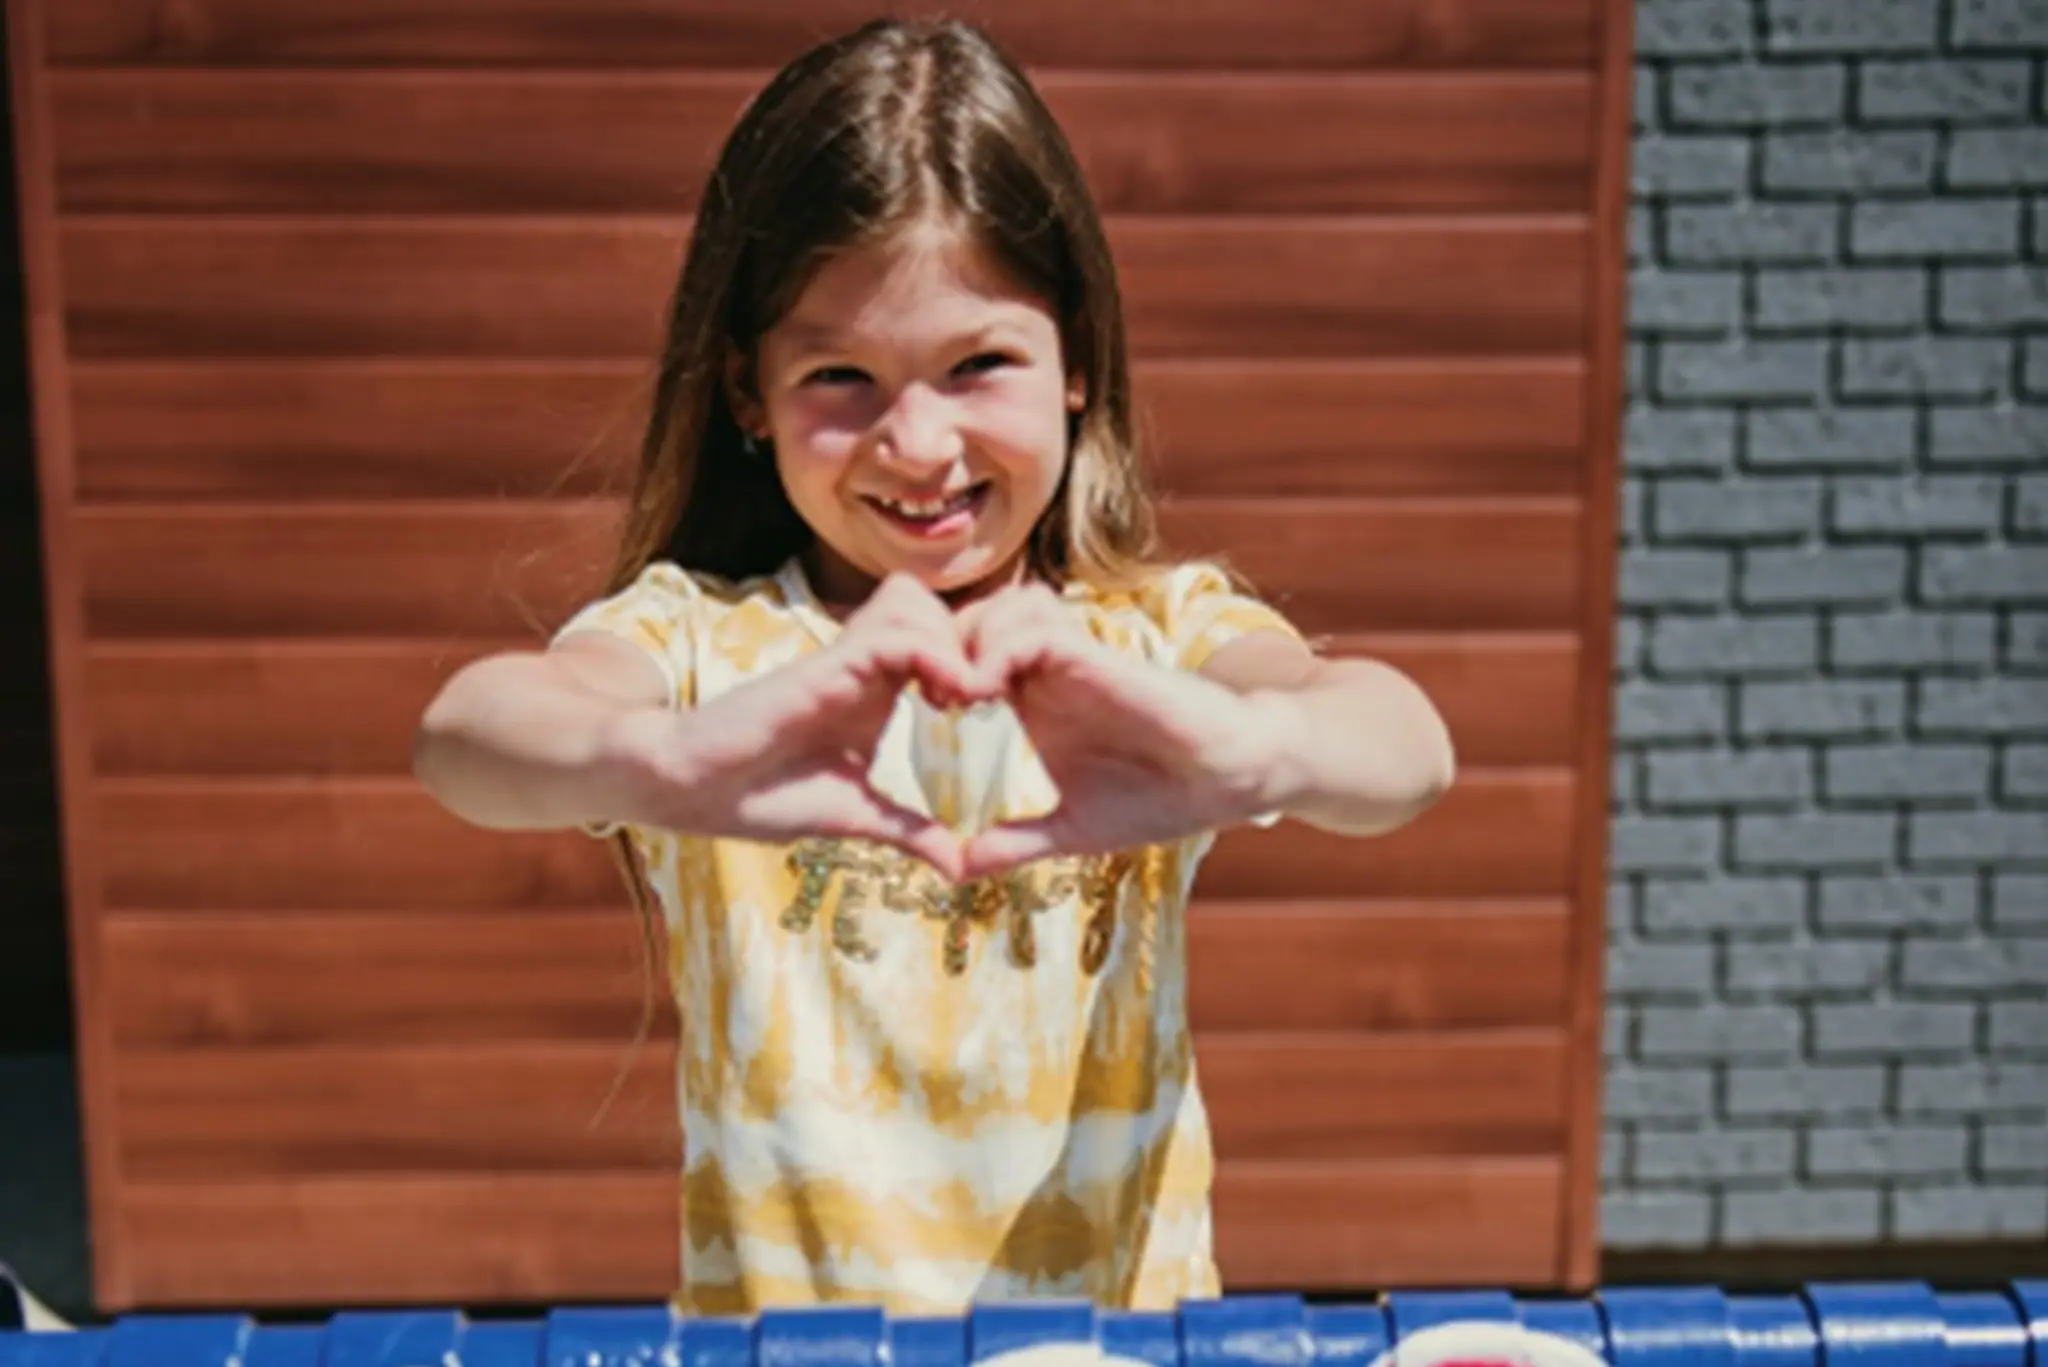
<point x="834" y="375"/>
<point x="986" y="361"/>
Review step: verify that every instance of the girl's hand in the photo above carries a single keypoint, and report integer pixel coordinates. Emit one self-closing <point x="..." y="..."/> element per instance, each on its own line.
<point x="1139" y="753"/>
<point x="787" y="755"/>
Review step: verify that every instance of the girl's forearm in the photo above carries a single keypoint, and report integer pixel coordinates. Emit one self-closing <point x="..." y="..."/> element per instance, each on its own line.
<point x="1366" y="751"/>
<point x="516" y="742"/>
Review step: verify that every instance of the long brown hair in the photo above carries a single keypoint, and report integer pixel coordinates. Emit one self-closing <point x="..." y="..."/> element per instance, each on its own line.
<point x="856" y="139"/>
<point x="863" y="136"/>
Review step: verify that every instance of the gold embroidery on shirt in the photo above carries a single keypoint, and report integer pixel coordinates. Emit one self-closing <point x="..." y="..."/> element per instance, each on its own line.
<point x="869" y="876"/>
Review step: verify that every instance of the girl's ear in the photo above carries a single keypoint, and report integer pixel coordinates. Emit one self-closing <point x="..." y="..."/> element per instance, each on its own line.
<point x="1077" y="391"/>
<point x="743" y="392"/>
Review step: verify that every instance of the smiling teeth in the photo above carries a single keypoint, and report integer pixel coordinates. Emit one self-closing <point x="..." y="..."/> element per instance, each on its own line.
<point x="927" y="507"/>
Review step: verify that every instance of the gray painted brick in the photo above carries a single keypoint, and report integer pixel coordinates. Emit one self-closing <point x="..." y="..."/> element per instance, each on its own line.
<point x="1652" y="844"/>
<point x="1798" y="1216"/>
<point x="1922" y="1150"/>
<point x="1737" y="95"/>
<point x="1693" y="780"/>
<point x="2003" y="434"/>
<point x="1967" y="1212"/>
<point x="1841" y="162"/>
<point x="2024" y="773"/>
<point x="1901" y="229"/>
<point x="1617" y="1033"/>
<point x="1805" y="1091"/>
<point x="1668" y="712"/>
<point x="1680" y="168"/>
<point x="1741" y="369"/>
<point x="2027" y="643"/>
<point x="1911" y="640"/>
<point x="1720" y="510"/>
<point x="1985" y="1087"/>
<point x="1665" y="1093"/>
<point x="2019" y="901"/>
<point x="1623" y="789"/>
<point x="1729" y="646"/>
<point x="1998" y="23"/>
<point x="1992" y="297"/>
<point x="1628" y="645"/>
<point x="1660" y="972"/>
<point x="1759" y="233"/>
<point x="1724" y="902"/>
<point x="1714" y="1155"/>
<point x="1666" y="579"/>
<point x="1840" y="576"/>
<point x="1850" y="25"/>
<point x="1649" y="100"/>
<point x="1827" y="710"/>
<point x="1718" y="1032"/>
<point x="1916" y="505"/>
<point x="1904" y="773"/>
<point x="1840" y="297"/>
<point x="1925" y="367"/>
<point x="2015" y="1150"/>
<point x="1976" y="837"/>
<point x="1892" y="1029"/>
<point x="1984" y="574"/>
<point x="2019" y="1028"/>
<point x="1814" y="840"/>
<point x="1642" y="241"/>
<point x="1998" y="158"/>
<point x="1692" y="28"/>
<point x="1807" y="969"/>
<point x="1975" y="965"/>
<point x="1692" y="440"/>
<point x="1614" y="1155"/>
<point x="1999" y="706"/>
<point x="1896" y="902"/>
<point x="1684" y="303"/>
<point x="2034" y="367"/>
<point x="1941" y="89"/>
<point x="1655" y="1219"/>
<point x="2030" y="505"/>
<point x="1830" y="438"/>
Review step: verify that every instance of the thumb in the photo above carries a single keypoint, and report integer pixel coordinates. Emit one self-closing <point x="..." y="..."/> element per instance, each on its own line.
<point x="876" y="817"/>
<point x="1004" y="847"/>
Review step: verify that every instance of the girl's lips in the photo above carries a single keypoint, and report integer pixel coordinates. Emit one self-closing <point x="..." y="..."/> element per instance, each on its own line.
<point x="932" y="519"/>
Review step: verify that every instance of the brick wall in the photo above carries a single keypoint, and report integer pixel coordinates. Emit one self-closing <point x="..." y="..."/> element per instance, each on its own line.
<point x="1830" y="847"/>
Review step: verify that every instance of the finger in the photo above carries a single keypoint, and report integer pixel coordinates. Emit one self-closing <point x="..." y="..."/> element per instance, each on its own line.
<point x="1004" y="847"/>
<point x="880" y="819"/>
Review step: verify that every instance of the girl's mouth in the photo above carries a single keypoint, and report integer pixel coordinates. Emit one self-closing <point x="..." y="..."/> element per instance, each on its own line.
<point x="932" y="517"/>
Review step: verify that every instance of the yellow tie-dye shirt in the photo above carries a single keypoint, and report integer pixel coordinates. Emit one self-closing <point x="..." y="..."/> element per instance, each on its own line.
<point x="898" y="1092"/>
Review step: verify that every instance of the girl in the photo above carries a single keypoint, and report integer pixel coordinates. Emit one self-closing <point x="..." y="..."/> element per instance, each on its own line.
<point x="903" y="725"/>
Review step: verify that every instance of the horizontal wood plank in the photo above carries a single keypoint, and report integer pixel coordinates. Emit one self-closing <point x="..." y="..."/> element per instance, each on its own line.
<point x="551" y="1106"/>
<point x="385" y="845"/>
<point x="210" y="141"/>
<point x="566" y="1237"/>
<point x="1152" y="34"/>
<point x="232" y="708"/>
<point x="256" y="430"/>
<point x="334" y="287"/>
<point x="268" y="980"/>
<point x="515" y="571"/>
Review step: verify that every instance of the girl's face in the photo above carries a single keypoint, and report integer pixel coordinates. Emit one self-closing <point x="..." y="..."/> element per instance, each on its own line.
<point x="919" y="404"/>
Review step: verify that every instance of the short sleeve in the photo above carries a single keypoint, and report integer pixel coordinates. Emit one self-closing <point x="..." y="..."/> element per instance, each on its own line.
<point x="658" y="613"/>
<point x="1205" y="611"/>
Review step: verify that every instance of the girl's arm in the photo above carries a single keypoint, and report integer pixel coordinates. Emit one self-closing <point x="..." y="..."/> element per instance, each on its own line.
<point x="1361" y="748"/>
<point x="550" y="739"/>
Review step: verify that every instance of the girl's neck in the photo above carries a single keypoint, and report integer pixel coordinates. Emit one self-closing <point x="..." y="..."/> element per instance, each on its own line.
<point x="840" y="589"/>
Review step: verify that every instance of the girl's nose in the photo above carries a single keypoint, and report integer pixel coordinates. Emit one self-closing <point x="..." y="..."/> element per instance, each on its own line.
<point x="918" y="433"/>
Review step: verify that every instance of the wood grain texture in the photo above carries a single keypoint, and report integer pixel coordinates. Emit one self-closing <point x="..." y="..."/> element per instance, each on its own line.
<point x="516" y="571"/>
<point x="383" y="844"/>
<point x="595" y="288"/>
<point x="283" y="708"/>
<point x="1145" y="34"/>
<point x="562" y="1237"/>
<point x="551" y="1107"/>
<point x="253" y="430"/>
<point x="646" y="142"/>
<point x="263" y="980"/>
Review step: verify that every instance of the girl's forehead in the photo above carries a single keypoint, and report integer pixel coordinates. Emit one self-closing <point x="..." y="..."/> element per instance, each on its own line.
<point x="914" y="282"/>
